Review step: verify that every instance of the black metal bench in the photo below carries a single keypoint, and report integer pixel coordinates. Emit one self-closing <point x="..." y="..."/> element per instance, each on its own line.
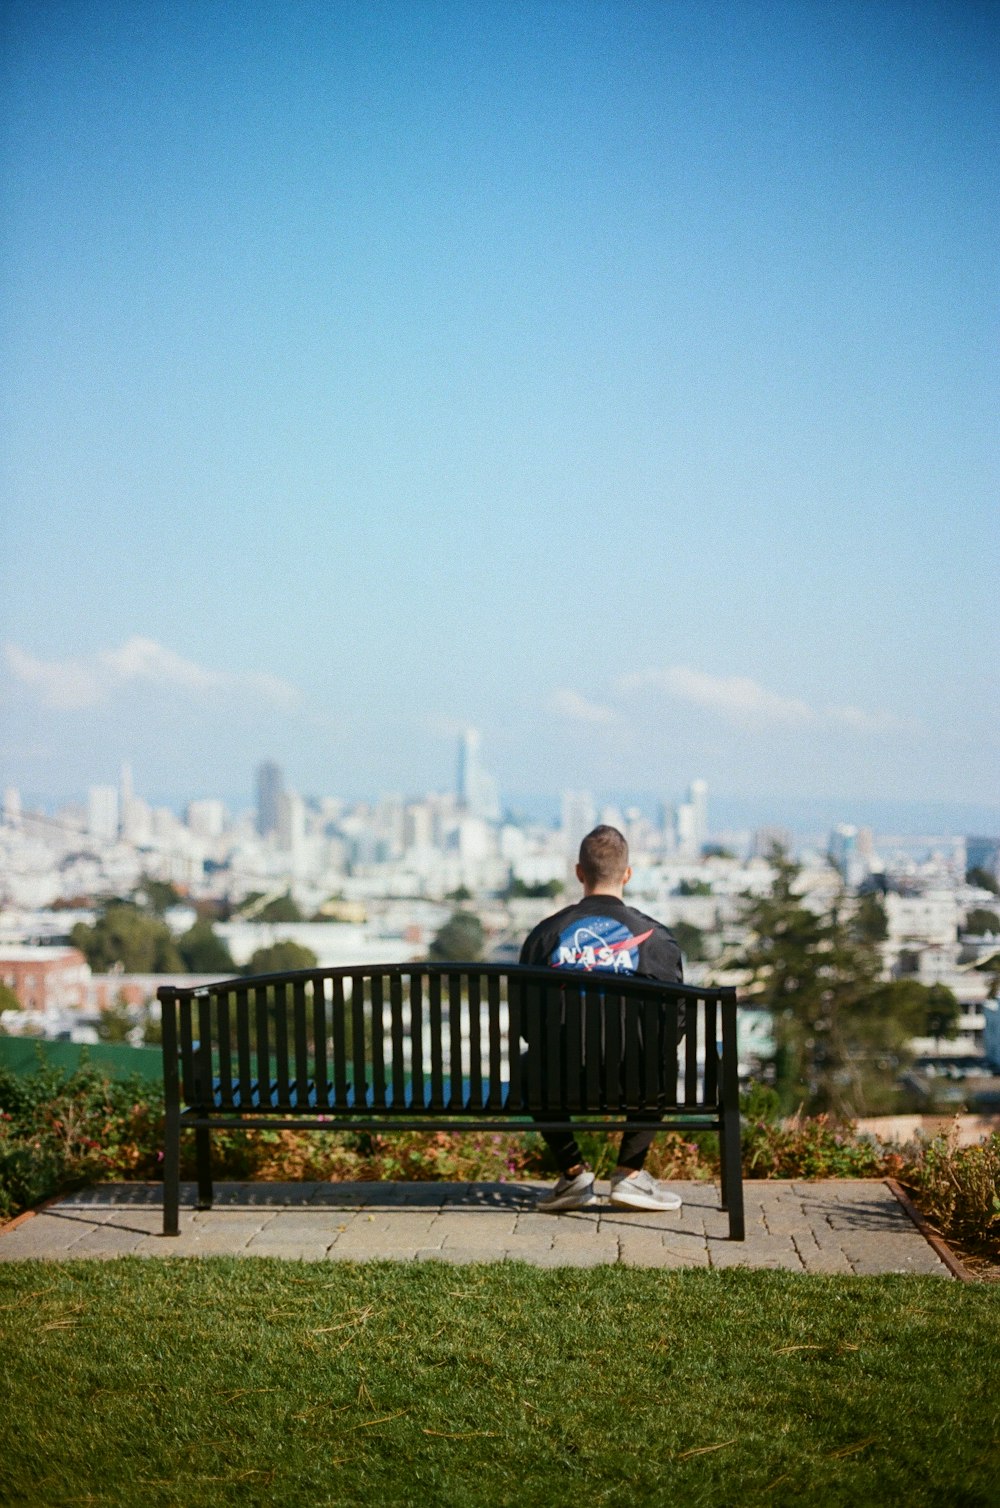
<point x="439" y="1047"/>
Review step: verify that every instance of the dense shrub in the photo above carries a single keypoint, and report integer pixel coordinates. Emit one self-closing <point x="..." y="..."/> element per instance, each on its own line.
<point x="958" y="1189"/>
<point x="812" y="1147"/>
<point x="59" y="1131"/>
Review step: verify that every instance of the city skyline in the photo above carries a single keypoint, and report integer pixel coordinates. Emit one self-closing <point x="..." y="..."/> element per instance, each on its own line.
<point x="804" y="821"/>
<point x="618" y="380"/>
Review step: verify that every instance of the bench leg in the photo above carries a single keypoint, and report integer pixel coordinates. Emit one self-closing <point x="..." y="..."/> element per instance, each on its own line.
<point x="171" y="1173"/>
<point x="203" y="1162"/>
<point x="731" y="1175"/>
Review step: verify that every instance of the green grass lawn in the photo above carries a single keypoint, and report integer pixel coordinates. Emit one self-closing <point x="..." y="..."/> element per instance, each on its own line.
<point x="257" y="1382"/>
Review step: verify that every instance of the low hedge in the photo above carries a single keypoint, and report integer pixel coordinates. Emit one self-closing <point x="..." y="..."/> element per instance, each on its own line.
<point x="61" y="1130"/>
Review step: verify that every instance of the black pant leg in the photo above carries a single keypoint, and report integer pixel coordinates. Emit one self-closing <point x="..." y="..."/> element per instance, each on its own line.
<point x="564" y="1148"/>
<point x="562" y="1144"/>
<point x="635" y="1145"/>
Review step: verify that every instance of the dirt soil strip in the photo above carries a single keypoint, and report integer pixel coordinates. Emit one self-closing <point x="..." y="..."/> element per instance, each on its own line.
<point x="948" y="1257"/>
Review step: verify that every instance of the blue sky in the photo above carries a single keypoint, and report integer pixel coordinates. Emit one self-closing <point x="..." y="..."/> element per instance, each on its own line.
<point x="618" y="378"/>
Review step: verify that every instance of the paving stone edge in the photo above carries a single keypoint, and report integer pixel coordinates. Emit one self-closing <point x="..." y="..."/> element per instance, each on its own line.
<point x="953" y="1263"/>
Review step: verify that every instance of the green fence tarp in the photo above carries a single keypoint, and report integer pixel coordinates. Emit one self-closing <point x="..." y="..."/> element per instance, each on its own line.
<point x="21" y="1055"/>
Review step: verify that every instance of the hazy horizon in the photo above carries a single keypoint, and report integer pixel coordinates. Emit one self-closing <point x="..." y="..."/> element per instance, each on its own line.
<point x="813" y="817"/>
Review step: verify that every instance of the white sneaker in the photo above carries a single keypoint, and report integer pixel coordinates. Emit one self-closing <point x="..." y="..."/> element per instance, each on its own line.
<point x="570" y="1194"/>
<point x="641" y="1192"/>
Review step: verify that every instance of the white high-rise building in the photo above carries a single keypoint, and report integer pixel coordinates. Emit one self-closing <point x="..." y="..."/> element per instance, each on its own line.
<point x="102" y="812"/>
<point x="12" y="806"/>
<point x="576" y="821"/>
<point x="206" y="819"/>
<point x="698" y="799"/>
<point x="126" y="792"/>
<point x="476" y="790"/>
<point x="134" y="816"/>
<point x="685" y="841"/>
<point x="270" y="785"/>
<point x="291" y="823"/>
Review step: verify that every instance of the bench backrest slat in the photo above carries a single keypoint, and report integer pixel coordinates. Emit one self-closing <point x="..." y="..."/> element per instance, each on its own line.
<point x="185" y="1045"/>
<point x="319" y="1030"/>
<point x="263" y="1047"/>
<point x="711" y="1030"/>
<point x="417" y="1054"/>
<point x="395" y="1027"/>
<point x="283" y="1067"/>
<point x="435" y="1043"/>
<point x="338" y="1039"/>
<point x="378" y="1042"/>
<point x="456" y="1072"/>
<point x="300" y="1042"/>
<point x="495" y="1015"/>
<point x="359" y="1038"/>
<point x="632" y="1050"/>
<point x="475" y="1058"/>
<point x="243" y="1048"/>
<point x="225" y="1050"/>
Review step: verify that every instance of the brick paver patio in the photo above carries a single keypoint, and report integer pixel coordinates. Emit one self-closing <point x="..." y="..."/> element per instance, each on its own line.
<point x="835" y="1226"/>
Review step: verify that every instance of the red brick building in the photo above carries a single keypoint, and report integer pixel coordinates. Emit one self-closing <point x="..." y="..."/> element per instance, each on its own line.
<point x="45" y="979"/>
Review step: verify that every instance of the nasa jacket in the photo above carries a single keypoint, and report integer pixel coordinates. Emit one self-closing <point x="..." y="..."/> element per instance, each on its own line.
<point x="601" y="933"/>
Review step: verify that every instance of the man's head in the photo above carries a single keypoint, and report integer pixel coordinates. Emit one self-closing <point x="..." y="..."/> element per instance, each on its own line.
<point x="603" y="868"/>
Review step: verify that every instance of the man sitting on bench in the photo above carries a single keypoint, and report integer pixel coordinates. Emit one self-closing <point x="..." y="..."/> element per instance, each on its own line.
<point x="600" y="932"/>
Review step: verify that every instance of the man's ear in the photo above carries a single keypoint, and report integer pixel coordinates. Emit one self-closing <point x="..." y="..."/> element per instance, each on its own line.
<point x="627" y="875"/>
<point x="580" y="875"/>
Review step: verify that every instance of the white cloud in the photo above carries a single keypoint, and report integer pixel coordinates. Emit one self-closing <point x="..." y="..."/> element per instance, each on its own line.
<point x="746" y="702"/>
<point x="736" y="697"/>
<point x="87" y="681"/>
<point x="577" y="708"/>
<point x="871" y="722"/>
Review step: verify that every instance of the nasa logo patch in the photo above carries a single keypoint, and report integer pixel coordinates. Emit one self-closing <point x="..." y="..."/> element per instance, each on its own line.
<point x="599" y="942"/>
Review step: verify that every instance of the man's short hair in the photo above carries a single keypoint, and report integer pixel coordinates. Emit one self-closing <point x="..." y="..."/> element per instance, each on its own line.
<point x="603" y="856"/>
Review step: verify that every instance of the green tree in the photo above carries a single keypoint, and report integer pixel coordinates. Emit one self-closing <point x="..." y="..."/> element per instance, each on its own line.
<point x="115" y="1022"/>
<point x="840" y="1033"/>
<point x="281" y="958"/>
<point x="980" y="921"/>
<point x="125" y="935"/>
<point x="460" y="940"/>
<point x="870" y="921"/>
<point x="281" y="909"/>
<point x="941" y="1012"/>
<point x="545" y="890"/>
<point x="203" y="950"/>
<point x="690" y="940"/>
<point x="983" y="879"/>
<point x="152" y="1028"/>
<point x="694" y="887"/>
<point x="8" y="1001"/>
<point x="157" y="895"/>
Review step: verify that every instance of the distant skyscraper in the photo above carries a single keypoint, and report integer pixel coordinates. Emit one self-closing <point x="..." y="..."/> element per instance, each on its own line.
<point x="698" y="799"/>
<point x="102" y="812"/>
<point x="691" y="821"/>
<point x="476" y="790"/>
<point x="576" y="820"/>
<point x="291" y="825"/>
<point x="467" y="778"/>
<point x="983" y="853"/>
<point x="270" y="788"/>
<point x="206" y="819"/>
